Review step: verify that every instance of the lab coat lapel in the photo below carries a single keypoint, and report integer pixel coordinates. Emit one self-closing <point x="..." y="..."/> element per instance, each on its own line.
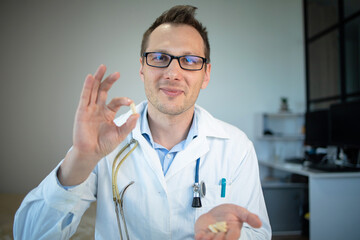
<point x="149" y="154"/>
<point x="198" y="147"/>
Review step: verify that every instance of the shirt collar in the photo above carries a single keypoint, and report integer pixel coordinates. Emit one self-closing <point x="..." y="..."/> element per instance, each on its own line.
<point x="145" y="130"/>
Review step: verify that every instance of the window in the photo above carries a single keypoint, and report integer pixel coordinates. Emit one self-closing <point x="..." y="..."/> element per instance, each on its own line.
<point x="332" y="45"/>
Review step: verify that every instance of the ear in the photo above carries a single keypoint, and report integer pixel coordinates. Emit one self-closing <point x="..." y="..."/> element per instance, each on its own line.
<point x="141" y="71"/>
<point x="206" y="76"/>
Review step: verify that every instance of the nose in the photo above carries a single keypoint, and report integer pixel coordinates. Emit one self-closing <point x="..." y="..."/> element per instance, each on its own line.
<point x="173" y="71"/>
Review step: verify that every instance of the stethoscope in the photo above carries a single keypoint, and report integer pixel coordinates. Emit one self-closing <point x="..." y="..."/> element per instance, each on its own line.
<point x="118" y="196"/>
<point x="199" y="188"/>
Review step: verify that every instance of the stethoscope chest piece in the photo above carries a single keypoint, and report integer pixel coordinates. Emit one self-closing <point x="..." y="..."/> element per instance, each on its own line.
<point x="202" y="189"/>
<point x="199" y="192"/>
<point x="199" y="188"/>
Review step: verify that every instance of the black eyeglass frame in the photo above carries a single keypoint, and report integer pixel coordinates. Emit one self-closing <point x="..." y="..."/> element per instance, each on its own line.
<point x="205" y="61"/>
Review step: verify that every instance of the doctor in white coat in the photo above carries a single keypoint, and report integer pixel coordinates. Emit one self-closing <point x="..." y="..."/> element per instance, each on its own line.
<point x="174" y="135"/>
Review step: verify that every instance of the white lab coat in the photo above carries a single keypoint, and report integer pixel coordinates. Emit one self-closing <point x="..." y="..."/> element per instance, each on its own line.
<point x="156" y="206"/>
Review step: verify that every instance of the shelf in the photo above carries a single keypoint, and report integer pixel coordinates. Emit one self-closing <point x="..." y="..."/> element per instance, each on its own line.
<point x="283" y="115"/>
<point x="280" y="126"/>
<point x="301" y="170"/>
<point x="278" y="184"/>
<point x="282" y="138"/>
<point x="279" y="135"/>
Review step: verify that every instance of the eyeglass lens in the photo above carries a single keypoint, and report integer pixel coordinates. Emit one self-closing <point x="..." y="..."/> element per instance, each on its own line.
<point x="188" y="62"/>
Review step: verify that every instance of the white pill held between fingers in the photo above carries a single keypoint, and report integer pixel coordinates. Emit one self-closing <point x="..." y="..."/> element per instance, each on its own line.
<point x="133" y="108"/>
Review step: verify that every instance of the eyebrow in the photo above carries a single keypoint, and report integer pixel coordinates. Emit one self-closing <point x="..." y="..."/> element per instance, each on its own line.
<point x="183" y="54"/>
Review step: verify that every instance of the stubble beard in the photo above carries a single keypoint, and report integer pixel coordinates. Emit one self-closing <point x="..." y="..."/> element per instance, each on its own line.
<point x="170" y="106"/>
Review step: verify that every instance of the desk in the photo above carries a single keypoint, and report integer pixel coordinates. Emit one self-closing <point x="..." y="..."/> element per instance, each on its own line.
<point x="334" y="201"/>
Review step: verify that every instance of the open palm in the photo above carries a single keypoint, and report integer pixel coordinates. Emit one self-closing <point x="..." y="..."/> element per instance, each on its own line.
<point x="233" y="215"/>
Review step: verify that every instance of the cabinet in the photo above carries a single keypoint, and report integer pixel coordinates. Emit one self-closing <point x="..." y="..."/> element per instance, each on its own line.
<point x="286" y="205"/>
<point x="333" y="200"/>
<point x="279" y="136"/>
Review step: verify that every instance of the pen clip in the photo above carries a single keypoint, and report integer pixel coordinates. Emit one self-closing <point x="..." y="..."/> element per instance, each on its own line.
<point x="223" y="187"/>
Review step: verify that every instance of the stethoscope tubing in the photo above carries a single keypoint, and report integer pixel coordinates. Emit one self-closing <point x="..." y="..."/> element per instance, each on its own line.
<point x="197" y="170"/>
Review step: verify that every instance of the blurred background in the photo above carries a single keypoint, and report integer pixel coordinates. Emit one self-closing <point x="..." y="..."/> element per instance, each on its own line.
<point x="47" y="47"/>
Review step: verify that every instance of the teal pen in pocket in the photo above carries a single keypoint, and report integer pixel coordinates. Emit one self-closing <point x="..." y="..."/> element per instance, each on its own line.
<point x="223" y="187"/>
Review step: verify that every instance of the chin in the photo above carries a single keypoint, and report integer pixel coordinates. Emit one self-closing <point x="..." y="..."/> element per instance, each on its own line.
<point x="171" y="107"/>
<point x="171" y="110"/>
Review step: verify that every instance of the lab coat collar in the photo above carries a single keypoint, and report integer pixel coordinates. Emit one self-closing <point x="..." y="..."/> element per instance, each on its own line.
<point x="208" y="127"/>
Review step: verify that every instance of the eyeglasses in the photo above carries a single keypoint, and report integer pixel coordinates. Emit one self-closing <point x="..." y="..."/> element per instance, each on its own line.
<point x="163" y="60"/>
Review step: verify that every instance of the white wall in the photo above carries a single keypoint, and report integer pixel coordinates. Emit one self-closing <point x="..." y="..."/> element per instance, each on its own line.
<point x="48" y="46"/>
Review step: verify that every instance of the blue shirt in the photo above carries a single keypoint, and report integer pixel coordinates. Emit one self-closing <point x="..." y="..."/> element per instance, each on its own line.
<point x="166" y="156"/>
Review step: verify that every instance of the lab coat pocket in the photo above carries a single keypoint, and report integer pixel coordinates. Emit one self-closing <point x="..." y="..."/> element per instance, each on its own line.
<point x="213" y="198"/>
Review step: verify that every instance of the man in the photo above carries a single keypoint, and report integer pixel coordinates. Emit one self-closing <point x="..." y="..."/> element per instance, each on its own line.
<point x="173" y="142"/>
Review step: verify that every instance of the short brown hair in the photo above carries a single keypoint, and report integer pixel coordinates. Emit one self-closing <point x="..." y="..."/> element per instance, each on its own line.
<point x="181" y="14"/>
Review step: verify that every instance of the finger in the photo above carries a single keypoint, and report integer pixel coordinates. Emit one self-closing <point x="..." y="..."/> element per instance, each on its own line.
<point x="128" y="126"/>
<point x="118" y="102"/>
<point x="86" y="91"/>
<point x="248" y="217"/>
<point x="233" y="233"/>
<point x="254" y="221"/>
<point x="220" y="236"/>
<point x="105" y="87"/>
<point x="208" y="236"/>
<point x="99" y="74"/>
<point x="199" y="235"/>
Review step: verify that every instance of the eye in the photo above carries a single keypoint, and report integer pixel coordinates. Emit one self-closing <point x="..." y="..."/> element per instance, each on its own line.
<point x="191" y="60"/>
<point x="159" y="57"/>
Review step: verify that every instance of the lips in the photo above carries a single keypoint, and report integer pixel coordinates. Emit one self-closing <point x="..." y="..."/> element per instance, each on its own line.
<point x="171" y="92"/>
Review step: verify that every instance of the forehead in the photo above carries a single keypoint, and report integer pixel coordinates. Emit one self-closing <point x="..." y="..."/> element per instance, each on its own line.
<point x="176" y="39"/>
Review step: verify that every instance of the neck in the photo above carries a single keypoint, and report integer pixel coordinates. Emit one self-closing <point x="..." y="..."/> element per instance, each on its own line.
<point x="169" y="130"/>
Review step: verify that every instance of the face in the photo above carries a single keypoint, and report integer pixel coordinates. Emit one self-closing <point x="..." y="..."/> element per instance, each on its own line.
<point x="173" y="90"/>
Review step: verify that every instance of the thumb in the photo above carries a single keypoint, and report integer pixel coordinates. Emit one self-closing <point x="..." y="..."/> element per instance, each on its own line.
<point x="128" y="126"/>
<point x="250" y="218"/>
<point x="254" y="221"/>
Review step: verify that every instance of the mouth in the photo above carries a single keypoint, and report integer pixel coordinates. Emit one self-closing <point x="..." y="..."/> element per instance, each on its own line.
<point x="171" y="92"/>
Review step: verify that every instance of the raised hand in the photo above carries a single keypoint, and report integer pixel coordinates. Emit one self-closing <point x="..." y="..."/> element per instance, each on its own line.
<point x="95" y="134"/>
<point x="232" y="214"/>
